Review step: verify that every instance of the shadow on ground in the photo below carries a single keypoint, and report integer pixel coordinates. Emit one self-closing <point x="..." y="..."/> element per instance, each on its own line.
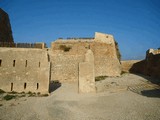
<point x="54" y="85"/>
<point x="155" y="92"/>
<point x="151" y="93"/>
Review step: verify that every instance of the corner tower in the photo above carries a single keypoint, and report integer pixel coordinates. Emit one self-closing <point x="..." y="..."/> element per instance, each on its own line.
<point x="5" y="28"/>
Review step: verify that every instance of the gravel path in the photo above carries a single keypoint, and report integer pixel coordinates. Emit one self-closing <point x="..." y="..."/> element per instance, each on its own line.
<point x="116" y="99"/>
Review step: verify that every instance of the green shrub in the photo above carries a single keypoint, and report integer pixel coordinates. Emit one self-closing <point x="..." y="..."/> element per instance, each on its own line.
<point x="22" y="93"/>
<point x="44" y="95"/>
<point x="64" y="48"/>
<point x="99" y="78"/>
<point x="9" y="97"/>
<point x="13" y="92"/>
<point x="31" y="94"/>
<point x="1" y="105"/>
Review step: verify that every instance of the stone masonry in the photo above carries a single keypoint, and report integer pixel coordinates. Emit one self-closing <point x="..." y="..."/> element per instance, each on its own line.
<point x="87" y="74"/>
<point x="24" y="69"/>
<point x="150" y="66"/>
<point x="72" y="60"/>
<point x="65" y="56"/>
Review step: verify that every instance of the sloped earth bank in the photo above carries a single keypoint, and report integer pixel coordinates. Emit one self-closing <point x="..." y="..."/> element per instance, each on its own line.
<point x="130" y="97"/>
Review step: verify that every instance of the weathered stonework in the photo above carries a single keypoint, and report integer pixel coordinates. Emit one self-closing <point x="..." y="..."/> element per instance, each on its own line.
<point x="24" y="70"/>
<point x="74" y="59"/>
<point x="150" y="66"/>
<point x="86" y="74"/>
<point x="128" y="65"/>
<point x="5" y="28"/>
<point x="67" y="58"/>
<point x="65" y="55"/>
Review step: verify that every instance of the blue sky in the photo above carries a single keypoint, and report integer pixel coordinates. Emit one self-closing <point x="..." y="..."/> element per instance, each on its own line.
<point x="135" y="24"/>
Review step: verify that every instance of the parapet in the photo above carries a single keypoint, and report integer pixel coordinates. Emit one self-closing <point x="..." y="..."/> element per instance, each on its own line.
<point x="104" y="38"/>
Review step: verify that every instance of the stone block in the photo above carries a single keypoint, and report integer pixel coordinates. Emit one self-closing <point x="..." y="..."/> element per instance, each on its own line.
<point x="86" y="77"/>
<point x="87" y="74"/>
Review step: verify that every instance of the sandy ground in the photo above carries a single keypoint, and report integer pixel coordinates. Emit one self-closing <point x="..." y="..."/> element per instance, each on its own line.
<point x="130" y="97"/>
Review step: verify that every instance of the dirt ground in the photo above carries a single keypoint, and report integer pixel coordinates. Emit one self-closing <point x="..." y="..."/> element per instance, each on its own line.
<point x="130" y="97"/>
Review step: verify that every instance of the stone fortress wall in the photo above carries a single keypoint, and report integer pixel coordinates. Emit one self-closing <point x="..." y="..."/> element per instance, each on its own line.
<point x="30" y="67"/>
<point x="150" y="66"/>
<point x="152" y="63"/>
<point x="24" y="70"/>
<point x="65" y="56"/>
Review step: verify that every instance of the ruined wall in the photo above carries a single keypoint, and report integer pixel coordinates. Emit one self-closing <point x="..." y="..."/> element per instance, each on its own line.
<point x="106" y="59"/>
<point x="65" y="55"/>
<point x="24" y="70"/>
<point x="149" y="66"/>
<point x="5" y="28"/>
<point x="152" y="67"/>
<point x="128" y="65"/>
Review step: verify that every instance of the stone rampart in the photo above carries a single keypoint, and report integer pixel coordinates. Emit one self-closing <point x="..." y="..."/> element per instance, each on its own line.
<point x="65" y="55"/>
<point x="24" y="70"/>
<point x="128" y="65"/>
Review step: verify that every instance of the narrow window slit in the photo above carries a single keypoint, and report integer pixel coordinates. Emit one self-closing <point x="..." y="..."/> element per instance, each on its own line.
<point x="25" y="85"/>
<point x="11" y="86"/>
<point x="37" y="86"/>
<point x="26" y="64"/>
<point x="0" y="62"/>
<point x="14" y="63"/>
<point x="39" y="64"/>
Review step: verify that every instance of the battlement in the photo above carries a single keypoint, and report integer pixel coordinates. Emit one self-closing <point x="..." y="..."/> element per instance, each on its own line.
<point x="39" y="45"/>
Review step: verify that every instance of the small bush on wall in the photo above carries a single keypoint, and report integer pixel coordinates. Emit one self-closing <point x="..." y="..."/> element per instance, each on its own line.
<point x="64" y="48"/>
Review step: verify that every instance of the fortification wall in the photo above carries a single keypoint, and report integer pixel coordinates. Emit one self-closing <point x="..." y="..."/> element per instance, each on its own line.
<point x="106" y="61"/>
<point x="65" y="55"/>
<point x="152" y="67"/>
<point x="128" y="64"/>
<point x="65" y="58"/>
<point x="24" y="70"/>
